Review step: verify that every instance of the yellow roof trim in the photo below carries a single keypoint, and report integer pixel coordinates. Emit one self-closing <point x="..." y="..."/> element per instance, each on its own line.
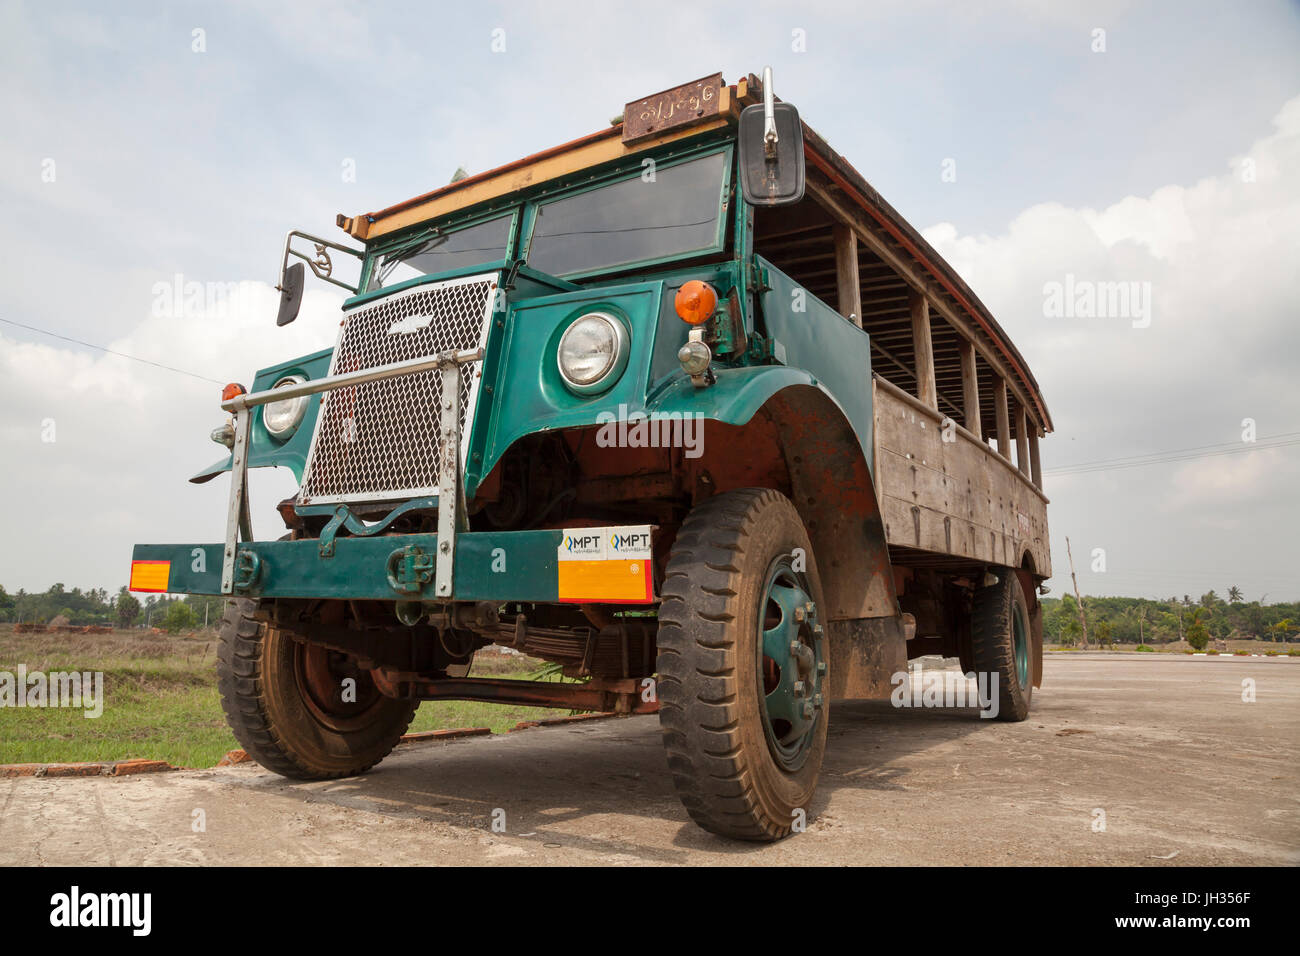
<point x="603" y="147"/>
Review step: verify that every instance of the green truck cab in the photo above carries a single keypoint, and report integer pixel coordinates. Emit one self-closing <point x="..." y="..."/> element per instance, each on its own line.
<point x="682" y="406"/>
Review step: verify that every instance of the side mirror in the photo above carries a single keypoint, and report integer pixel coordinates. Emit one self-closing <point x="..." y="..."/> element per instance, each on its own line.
<point x="770" y="143"/>
<point x="290" y="294"/>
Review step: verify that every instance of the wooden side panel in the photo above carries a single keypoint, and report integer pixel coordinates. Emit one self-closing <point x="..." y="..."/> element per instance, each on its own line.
<point x="953" y="498"/>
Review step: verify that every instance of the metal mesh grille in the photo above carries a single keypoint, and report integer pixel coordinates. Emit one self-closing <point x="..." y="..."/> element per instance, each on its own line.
<point x="380" y="440"/>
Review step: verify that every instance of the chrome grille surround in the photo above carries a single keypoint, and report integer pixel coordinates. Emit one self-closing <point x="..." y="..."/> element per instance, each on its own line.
<point x="379" y="441"/>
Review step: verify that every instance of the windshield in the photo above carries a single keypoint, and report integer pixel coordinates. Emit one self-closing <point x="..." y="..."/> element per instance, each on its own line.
<point x="436" y="252"/>
<point x="674" y="213"/>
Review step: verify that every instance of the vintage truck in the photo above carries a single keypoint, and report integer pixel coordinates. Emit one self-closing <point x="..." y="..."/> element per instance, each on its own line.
<point x="683" y="406"/>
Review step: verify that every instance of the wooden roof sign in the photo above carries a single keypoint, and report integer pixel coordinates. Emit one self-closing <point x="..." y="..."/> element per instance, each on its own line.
<point x="671" y="109"/>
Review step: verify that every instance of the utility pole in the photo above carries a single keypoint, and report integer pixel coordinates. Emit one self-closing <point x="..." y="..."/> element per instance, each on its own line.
<point x="1083" y="621"/>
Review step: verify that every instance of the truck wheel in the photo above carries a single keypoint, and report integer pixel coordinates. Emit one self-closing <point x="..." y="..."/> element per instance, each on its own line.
<point x="284" y="701"/>
<point x="742" y="666"/>
<point x="1001" y="642"/>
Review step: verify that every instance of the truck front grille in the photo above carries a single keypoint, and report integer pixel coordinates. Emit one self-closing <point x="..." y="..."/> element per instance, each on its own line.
<point x="379" y="441"/>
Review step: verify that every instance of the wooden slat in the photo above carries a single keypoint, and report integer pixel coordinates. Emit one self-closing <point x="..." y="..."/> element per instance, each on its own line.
<point x="1004" y="419"/>
<point x="1022" y="441"/>
<point x="1035" y="465"/>
<point x="923" y="348"/>
<point x="970" y="390"/>
<point x="846" y="273"/>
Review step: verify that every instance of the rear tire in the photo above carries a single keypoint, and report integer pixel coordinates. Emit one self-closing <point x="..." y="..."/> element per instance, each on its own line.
<point x="742" y="666"/>
<point x="1002" y="642"/>
<point x="283" y="699"/>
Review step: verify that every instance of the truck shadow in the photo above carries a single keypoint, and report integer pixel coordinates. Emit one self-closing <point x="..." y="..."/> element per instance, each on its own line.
<point x="575" y="786"/>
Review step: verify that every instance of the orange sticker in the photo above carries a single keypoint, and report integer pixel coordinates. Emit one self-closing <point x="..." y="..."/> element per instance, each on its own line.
<point x="150" y="575"/>
<point x="625" y="582"/>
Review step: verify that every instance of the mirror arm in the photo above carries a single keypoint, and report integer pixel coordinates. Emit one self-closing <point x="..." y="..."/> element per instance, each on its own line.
<point x="321" y="266"/>
<point x="319" y="269"/>
<point x="770" y="139"/>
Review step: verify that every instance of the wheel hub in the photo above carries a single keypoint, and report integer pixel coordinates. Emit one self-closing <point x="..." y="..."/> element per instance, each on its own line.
<point x="321" y="674"/>
<point x="792" y="664"/>
<point x="1020" y="646"/>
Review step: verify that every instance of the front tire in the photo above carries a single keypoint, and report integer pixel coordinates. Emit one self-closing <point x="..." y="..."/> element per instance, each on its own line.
<point x="284" y="701"/>
<point x="1002" y="642"/>
<point x="743" y="666"/>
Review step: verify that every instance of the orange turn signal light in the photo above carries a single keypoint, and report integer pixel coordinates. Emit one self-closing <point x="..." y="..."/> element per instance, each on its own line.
<point x="695" y="301"/>
<point x="231" y="390"/>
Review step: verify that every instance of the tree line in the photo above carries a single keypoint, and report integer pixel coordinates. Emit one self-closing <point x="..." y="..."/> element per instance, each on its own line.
<point x="1110" y="620"/>
<point x="1121" y="620"/>
<point x="58" y="605"/>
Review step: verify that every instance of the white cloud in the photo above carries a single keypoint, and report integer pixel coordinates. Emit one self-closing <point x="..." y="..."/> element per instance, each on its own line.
<point x="127" y="436"/>
<point x="1221" y="258"/>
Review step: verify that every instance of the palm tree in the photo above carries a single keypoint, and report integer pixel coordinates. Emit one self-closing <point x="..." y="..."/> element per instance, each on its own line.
<point x="1197" y="634"/>
<point x="1234" y="595"/>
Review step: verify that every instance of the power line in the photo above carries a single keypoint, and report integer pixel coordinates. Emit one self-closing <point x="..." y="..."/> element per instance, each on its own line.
<point x="1284" y="440"/>
<point x="91" y="345"/>
<point x="1176" y="451"/>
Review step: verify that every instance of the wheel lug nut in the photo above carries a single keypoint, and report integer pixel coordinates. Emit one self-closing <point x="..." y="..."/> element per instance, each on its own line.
<point x="799" y="689"/>
<point x="799" y="614"/>
<point x="794" y="647"/>
<point x="821" y="667"/>
<point x="808" y="709"/>
<point x="817" y="701"/>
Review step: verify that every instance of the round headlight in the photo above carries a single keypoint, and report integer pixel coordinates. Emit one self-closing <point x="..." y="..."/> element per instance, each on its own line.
<point x="282" y="418"/>
<point x="593" y="352"/>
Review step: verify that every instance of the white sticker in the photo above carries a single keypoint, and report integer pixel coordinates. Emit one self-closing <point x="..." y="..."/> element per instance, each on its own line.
<point x="623" y="543"/>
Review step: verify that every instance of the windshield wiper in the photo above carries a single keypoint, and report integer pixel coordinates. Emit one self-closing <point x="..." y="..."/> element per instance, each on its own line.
<point x="396" y="256"/>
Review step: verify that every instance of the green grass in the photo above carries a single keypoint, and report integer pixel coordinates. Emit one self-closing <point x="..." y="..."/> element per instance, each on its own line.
<point x="161" y="701"/>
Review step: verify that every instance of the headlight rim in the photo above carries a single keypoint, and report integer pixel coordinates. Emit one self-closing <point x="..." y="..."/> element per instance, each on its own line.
<point x="288" y="431"/>
<point x="622" y="350"/>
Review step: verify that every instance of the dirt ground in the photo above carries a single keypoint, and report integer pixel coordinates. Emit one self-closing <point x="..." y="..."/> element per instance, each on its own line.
<point x="1184" y="771"/>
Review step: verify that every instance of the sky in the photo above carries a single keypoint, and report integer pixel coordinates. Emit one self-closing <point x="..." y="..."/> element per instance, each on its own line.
<point x="1034" y="144"/>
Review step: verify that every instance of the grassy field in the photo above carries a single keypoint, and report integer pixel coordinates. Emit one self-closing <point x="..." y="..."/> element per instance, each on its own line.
<point x="1278" y="648"/>
<point x="161" y="700"/>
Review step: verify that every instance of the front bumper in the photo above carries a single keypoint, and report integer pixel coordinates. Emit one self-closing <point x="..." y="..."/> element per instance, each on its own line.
<point x="572" y="565"/>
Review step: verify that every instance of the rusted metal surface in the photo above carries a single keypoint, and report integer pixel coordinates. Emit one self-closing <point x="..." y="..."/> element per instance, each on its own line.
<point x="604" y="696"/>
<point x="617" y="648"/>
<point x="676" y="108"/>
<point x="865" y="655"/>
<point x="834" y="493"/>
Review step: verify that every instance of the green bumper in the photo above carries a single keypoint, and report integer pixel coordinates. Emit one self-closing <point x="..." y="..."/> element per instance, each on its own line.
<point x="588" y="565"/>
